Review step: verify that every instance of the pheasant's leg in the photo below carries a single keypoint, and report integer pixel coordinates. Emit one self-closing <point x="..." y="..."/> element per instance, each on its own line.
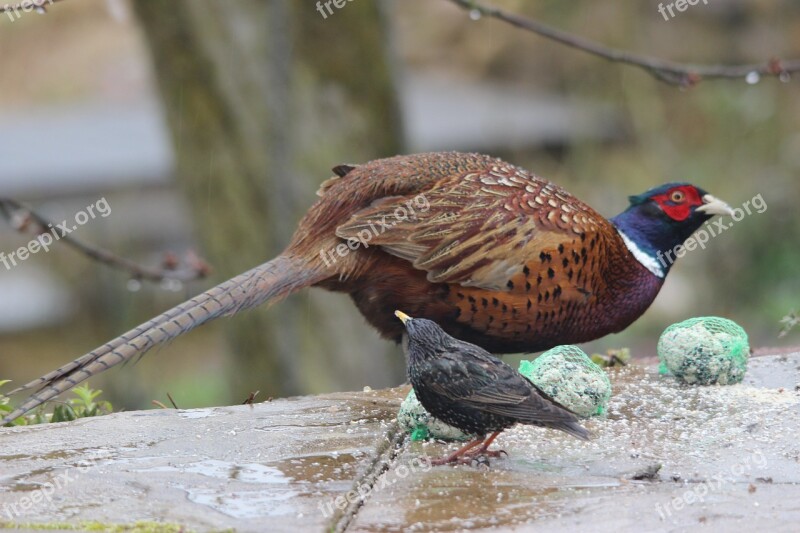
<point x="456" y="455"/>
<point x="484" y="449"/>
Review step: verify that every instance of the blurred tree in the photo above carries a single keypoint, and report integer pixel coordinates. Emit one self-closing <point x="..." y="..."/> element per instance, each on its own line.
<point x="262" y="100"/>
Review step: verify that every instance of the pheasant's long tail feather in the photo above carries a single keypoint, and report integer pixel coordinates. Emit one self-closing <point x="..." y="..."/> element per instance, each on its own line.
<point x="265" y="283"/>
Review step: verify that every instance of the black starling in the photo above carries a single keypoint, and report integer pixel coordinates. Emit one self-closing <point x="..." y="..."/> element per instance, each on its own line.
<point x="467" y="387"/>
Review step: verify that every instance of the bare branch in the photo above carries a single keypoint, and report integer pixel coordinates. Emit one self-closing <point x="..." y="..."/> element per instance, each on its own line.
<point x="680" y="74"/>
<point x="670" y="72"/>
<point x="24" y="219"/>
<point x="175" y="405"/>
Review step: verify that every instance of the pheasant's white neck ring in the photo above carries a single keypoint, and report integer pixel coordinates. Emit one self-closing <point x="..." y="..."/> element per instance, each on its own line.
<point x="646" y="260"/>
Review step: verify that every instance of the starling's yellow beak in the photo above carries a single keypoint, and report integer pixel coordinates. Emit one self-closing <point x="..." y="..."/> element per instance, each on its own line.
<point x="402" y="316"/>
<point x="714" y="206"/>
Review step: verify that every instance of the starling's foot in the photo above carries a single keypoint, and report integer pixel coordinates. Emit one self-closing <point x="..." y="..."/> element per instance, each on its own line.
<point x="480" y="455"/>
<point x="486" y="453"/>
<point x="475" y="450"/>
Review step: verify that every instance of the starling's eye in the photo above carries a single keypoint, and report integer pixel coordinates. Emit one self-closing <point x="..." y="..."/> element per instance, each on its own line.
<point x="677" y="196"/>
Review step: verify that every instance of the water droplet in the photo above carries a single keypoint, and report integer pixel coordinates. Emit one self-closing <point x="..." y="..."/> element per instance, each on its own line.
<point x="134" y="285"/>
<point x="752" y="77"/>
<point x="41" y="10"/>
<point x="785" y="77"/>
<point x="475" y="14"/>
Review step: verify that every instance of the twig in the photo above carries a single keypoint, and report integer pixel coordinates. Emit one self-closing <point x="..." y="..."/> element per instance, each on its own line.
<point x="679" y="74"/>
<point x="23" y="218"/>
<point x="250" y="398"/>
<point x="670" y="72"/>
<point x="172" y="401"/>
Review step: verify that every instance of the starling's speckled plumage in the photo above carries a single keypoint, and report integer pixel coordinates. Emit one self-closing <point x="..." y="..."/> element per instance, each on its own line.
<point x="465" y="386"/>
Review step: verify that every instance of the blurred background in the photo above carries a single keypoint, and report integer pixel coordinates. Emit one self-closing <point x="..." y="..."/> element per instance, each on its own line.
<point x="209" y="125"/>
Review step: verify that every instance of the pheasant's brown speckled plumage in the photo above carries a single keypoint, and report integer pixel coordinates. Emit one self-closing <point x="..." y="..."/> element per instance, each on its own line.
<point x="500" y="257"/>
<point x="495" y="255"/>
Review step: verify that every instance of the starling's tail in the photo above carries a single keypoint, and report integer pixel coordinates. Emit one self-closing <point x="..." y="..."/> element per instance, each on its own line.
<point x="574" y="429"/>
<point x="266" y="283"/>
<point x="543" y="410"/>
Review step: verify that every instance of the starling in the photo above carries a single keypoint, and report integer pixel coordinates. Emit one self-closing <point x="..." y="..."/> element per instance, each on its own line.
<point x="465" y="386"/>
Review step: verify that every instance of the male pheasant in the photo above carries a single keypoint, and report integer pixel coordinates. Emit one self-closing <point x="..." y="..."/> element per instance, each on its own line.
<point x="465" y="386"/>
<point x="494" y="254"/>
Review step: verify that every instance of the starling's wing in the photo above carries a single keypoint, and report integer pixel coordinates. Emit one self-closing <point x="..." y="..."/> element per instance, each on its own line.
<point x="483" y="228"/>
<point x="484" y="382"/>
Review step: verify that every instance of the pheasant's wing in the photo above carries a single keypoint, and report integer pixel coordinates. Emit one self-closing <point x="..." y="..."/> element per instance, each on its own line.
<point x="485" y="383"/>
<point x="486" y="228"/>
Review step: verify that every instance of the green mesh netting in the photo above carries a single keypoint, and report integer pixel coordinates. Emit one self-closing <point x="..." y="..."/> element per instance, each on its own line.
<point x="704" y="351"/>
<point x="567" y="375"/>
<point x="417" y="421"/>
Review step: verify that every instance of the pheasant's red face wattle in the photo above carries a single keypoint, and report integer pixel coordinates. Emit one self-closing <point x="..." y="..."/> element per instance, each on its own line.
<point x="678" y="202"/>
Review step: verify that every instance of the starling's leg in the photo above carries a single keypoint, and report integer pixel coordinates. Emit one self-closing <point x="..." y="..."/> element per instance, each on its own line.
<point x="483" y="450"/>
<point x="456" y="455"/>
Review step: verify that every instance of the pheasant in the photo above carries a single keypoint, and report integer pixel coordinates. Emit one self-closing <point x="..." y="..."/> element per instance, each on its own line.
<point x="494" y="254"/>
<point x="466" y="387"/>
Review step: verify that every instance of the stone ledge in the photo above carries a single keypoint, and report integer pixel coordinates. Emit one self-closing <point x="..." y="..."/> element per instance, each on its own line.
<point x="729" y="457"/>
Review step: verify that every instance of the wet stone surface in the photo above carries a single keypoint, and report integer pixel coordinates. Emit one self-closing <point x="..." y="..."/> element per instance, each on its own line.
<point x="667" y="457"/>
<point x="725" y="456"/>
<point x="207" y="469"/>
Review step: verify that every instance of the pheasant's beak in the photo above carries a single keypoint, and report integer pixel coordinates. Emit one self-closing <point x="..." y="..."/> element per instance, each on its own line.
<point x="402" y="316"/>
<point x="714" y="206"/>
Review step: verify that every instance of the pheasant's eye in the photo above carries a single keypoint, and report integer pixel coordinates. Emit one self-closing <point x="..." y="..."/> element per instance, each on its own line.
<point x="677" y="196"/>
